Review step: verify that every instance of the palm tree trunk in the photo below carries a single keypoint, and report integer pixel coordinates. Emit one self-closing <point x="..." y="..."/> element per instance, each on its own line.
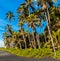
<point x="38" y="41"/>
<point x="44" y="37"/>
<point x="20" y="44"/>
<point x="49" y="31"/>
<point x="29" y="38"/>
<point x="33" y="27"/>
<point x="24" y="37"/>
<point x="51" y="40"/>
<point x="34" y="40"/>
<point x="24" y="41"/>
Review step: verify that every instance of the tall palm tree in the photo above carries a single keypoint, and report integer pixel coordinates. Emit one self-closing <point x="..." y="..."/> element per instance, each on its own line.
<point x="22" y="19"/>
<point x="24" y="9"/>
<point x="31" y="24"/>
<point x="14" y="39"/>
<point x="51" y="37"/>
<point x="6" y="42"/>
<point x="22" y="31"/>
<point x="8" y="34"/>
<point x="10" y="16"/>
<point x="33" y="21"/>
<point x="9" y="29"/>
<point x="44" y="4"/>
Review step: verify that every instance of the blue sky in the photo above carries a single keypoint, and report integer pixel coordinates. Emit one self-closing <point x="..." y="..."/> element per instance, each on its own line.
<point x="9" y="5"/>
<point x="5" y="6"/>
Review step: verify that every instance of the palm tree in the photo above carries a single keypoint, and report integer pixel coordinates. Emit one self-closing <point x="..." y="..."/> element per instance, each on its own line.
<point x="6" y="42"/>
<point x="14" y="39"/>
<point x="22" y="19"/>
<point x="10" y="16"/>
<point x="51" y="37"/>
<point x="9" y="29"/>
<point x="19" y="40"/>
<point x="33" y="21"/>
<point x="29" y="3"/>
<point x="28" y="37"/>
<point x="23" y="10"/>
<point x="8" y="34"/>
<point x="30" y="22"/>
<point x="22" y="31"/>
<point x="44" y="4"/>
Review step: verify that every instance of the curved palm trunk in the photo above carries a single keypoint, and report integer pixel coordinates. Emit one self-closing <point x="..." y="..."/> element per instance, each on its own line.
<point x="34" y="40"/>
<point x="49" y="31"/>
<point x="44" y="37"/>
<point x="38" y="41"/>
<point x="29" y="39"/>
<point x="7" y="45"/>
<point x="37" y="38"/>
<point x="24" y="41"/>
<point x="19" y="44"/>
<point x="51" y="40"/>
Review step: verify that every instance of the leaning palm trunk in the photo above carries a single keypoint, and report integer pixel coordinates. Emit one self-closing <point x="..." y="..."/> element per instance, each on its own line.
<point x="51" y="40"/>
<point x="48" y="19"/>
<point x="38" y="41"/>
<point x="44" y="37"/>
<point x="29" y="38"/>
<point x="24" y="41"/>
<point x="33" y="27"/>
<point x="34" y="40"/>
<point x="19" y="44"/>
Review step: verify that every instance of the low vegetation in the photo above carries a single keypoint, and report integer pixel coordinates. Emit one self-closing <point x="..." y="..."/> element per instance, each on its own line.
<point x="36" y="53"/>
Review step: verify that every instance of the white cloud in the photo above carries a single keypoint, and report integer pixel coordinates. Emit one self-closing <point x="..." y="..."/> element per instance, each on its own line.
<point x="2" y="43"/>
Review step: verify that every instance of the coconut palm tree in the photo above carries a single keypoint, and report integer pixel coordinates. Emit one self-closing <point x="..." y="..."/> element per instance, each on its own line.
<point x="29" y="3"/>
<point x="8" y="34"/>
<point x="33" y="21"/>
<point x="9" y="29"/>
<point x="6" y="40"/>
<point x="22" y="32"/>
<point x="23" y="10"/>
<point x="10" y="16"/>
<point x="51" y="37"/>
<point x="30" y="22"/>
<point x="44" y="4"/>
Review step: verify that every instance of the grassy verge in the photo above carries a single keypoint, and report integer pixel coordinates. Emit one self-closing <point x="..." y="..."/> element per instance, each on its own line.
<point x="36" y="53"/>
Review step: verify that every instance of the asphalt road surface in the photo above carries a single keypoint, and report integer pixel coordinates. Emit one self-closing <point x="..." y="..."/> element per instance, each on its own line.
<point x="5" y="56"/>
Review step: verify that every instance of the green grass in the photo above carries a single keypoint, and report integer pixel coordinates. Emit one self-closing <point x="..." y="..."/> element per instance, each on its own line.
<point x="36" y="53"/>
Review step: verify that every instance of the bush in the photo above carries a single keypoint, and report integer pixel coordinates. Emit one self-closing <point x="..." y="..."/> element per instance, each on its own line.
<point x="36" y="53"/>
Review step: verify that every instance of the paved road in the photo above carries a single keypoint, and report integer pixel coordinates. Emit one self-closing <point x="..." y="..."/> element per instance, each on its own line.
<point x="5" y="56"/>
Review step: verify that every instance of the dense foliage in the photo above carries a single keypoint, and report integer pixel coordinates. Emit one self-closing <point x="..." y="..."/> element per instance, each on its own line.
<point x="36" y="53"/>
<point x="32" y="16"/>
